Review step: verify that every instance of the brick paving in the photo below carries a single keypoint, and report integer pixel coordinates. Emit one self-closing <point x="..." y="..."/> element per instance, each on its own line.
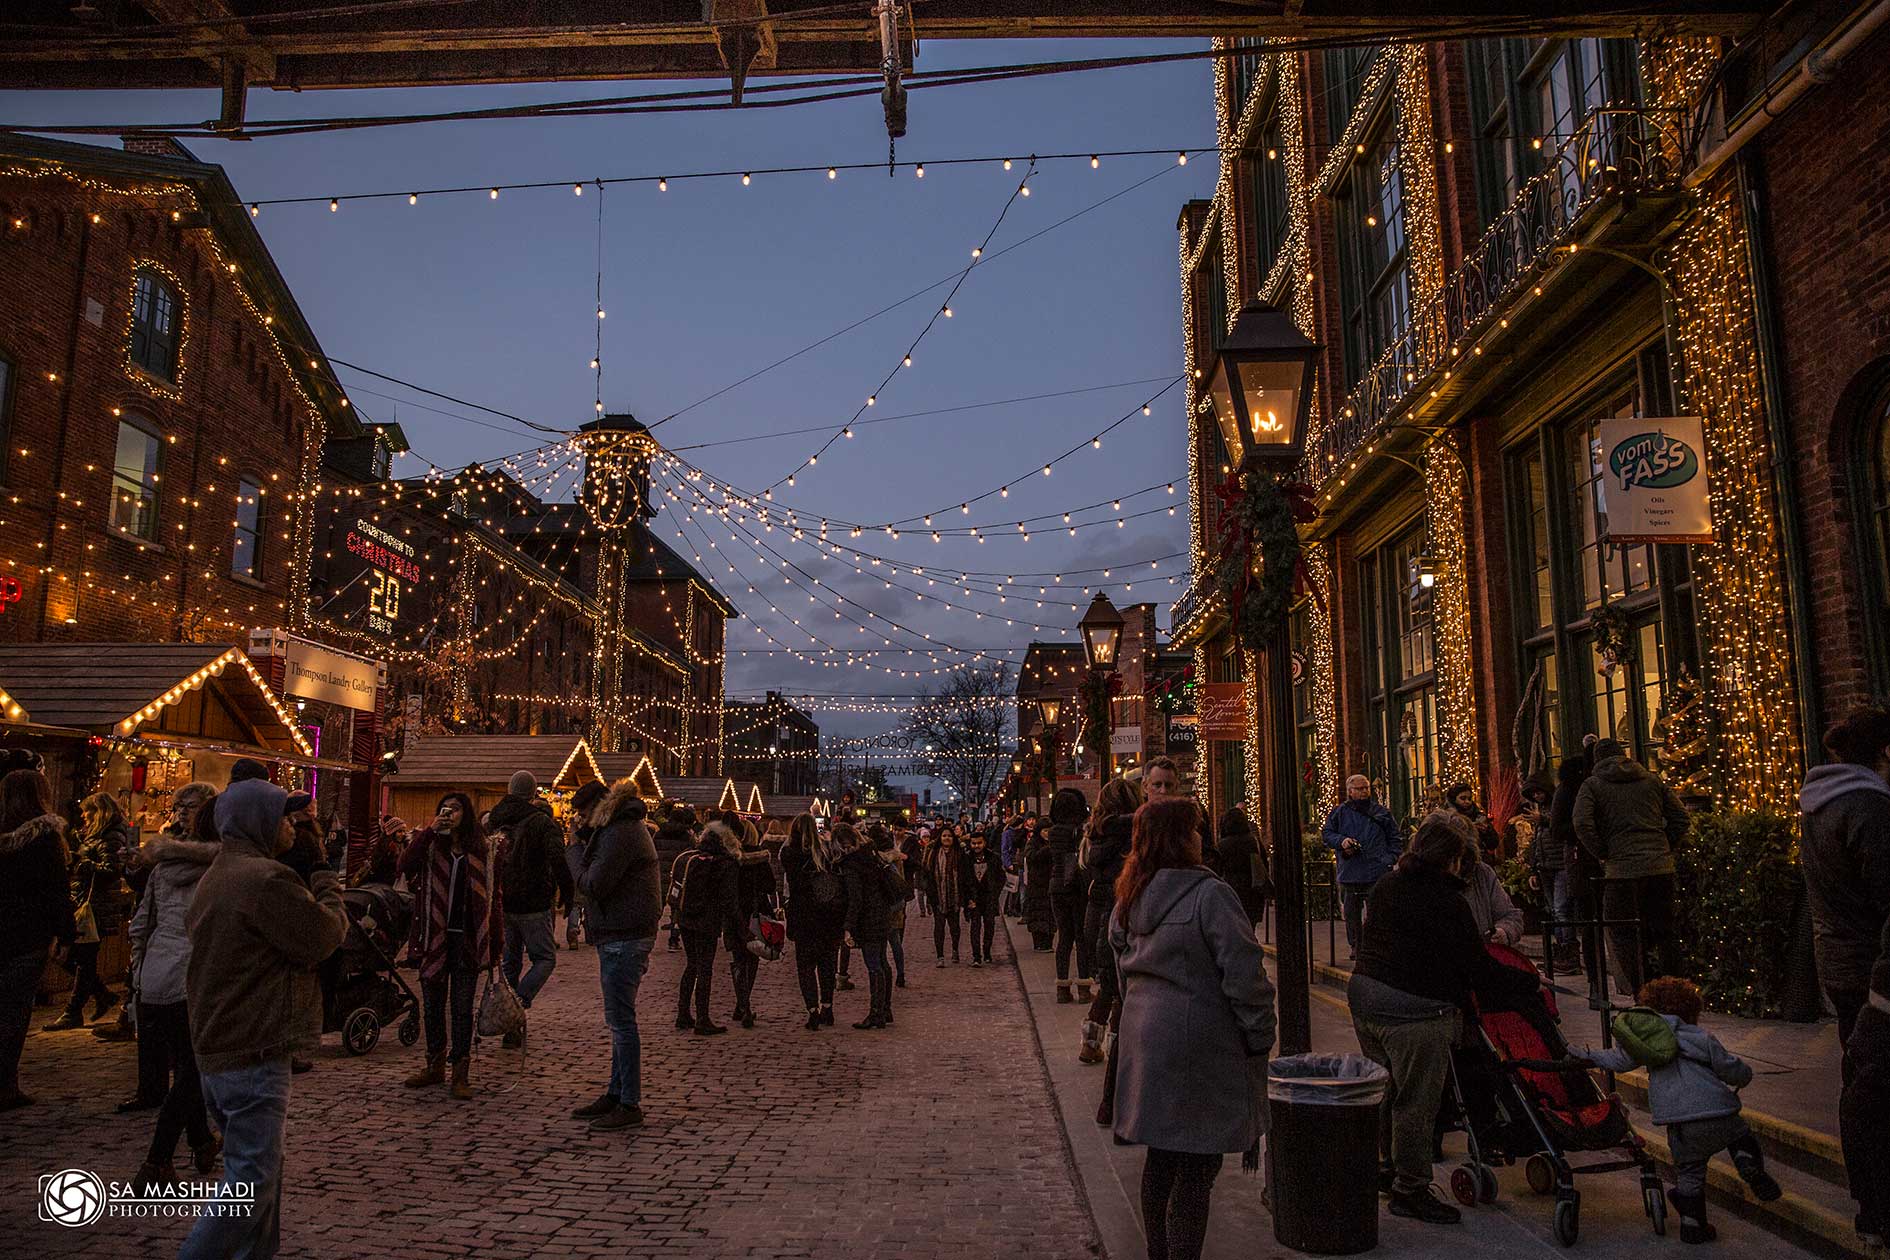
<point x="937" y="1138"/>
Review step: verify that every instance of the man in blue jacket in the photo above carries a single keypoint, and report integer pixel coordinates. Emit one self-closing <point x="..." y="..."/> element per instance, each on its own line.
<point x="1367" y="841"/>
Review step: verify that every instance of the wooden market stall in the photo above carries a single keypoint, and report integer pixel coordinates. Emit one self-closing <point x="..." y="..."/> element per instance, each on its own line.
<point x="481" y="766"/>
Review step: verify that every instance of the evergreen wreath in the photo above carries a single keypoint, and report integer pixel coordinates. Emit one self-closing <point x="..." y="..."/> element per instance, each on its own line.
<point x="1614" y="641"/>
<point x="1259" y="522"/>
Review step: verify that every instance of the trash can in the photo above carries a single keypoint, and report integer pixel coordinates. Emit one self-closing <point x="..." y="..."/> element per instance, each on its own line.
<point x="1322" y="1151"/>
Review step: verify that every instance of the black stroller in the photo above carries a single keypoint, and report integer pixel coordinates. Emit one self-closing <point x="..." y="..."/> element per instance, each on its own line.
<point x="361" y="987"/>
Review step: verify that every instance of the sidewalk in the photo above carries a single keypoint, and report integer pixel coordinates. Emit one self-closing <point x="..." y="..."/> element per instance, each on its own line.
<point x="1791" y="1104"/>
<point x="1241" y="1228"/>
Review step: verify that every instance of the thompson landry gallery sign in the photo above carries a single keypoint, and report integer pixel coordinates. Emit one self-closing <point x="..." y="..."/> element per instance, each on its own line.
<point x="1222" y="708"/>
<point x="316" y="673"/>
<point x="1653" y="480"/>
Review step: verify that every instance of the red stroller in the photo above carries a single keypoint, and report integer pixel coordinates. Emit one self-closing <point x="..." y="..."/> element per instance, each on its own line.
<point x="1520" y="1099"/>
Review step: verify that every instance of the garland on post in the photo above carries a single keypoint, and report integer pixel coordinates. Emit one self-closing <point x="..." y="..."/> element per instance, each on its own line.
<point x="1259" y="564"/>
<point x="1094" y="693"/>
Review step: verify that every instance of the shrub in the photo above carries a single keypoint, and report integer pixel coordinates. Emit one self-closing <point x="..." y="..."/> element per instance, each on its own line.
<point x="1737" y="892"/>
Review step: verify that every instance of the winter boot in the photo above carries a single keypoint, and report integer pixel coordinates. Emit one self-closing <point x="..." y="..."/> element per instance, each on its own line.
<point x="461" y="1088"/>
<point x="205" y="1157"/>
<point x="1750" y="1161"/>
<point x="1106" y="1112"/>
<point x="1691" y="1209"/>
<point x="813" y="1019"/>
<point x="1092" y="1044"/>
<point x="74" y="1017"/>
<point x="826" y="1016"/>
<point x="432" y="1074"/>
<point x="1084" y="992"/>
<point x="102" y="1003"/>
<point x="885" y="999"/>
<point x="1063" y="993"/>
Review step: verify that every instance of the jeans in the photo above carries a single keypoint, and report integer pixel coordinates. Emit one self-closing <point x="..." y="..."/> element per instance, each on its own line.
<point x="458" y="985"/>
<point x="529" y="935"/>
<point x="813" y="966"/>
<point x="1864" y="1117"/>
<point x="168" y="1026"/>
<point x="698" y="975"/>
<point x="742" y="967"/>
<point x="620" y="968"/>
<point x="83" y="960"/>
<point x="1070" y="938"/>
<point x="19" y="980"/>
<point x="1108" y="984"/>
<point x="250" y="1105"/>
<point x="878" y="978"/>
<point x="941" y="918"/>
<point x="1417" y="1054"/>
<point x="1176" y="1187"/>
<point x="1560" y="887"/>
<point x="1650" y="898"/>
<point x="897" y="939"/>
<point x="1352" y="897"/>
<point x="981" y="926"/>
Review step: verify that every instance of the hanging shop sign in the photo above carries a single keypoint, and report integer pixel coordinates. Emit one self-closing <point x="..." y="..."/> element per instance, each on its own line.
<point x="1653" y="480"/>
<point x="315" y="672"/>
<point x="1126" y="741"/>
<point x="1223" y="710"/>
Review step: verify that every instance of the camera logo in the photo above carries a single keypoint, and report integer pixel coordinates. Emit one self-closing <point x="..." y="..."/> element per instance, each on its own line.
<point x="73" y="1198"/>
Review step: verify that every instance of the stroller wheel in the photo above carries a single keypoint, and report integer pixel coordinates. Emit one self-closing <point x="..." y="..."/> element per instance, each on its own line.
<point x="1540" y="1173"/>
<point x="1486" y="1184"/>
<point x="1463" y="1184"/>
<point x="1566" y="1223"/>
<point x="361" y="1030"/>
<point x="410" y="1029"/>
<point x="1655" y="1200"/>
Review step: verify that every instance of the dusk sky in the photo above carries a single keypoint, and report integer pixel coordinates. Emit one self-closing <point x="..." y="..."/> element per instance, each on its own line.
<point x="493" y="301"/>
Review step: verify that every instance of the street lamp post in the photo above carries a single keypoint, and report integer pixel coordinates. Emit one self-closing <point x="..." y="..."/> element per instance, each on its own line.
<point x="1102" y="648"/>
<point x="1260" y="390"/>
<point x="1049" y="708"/>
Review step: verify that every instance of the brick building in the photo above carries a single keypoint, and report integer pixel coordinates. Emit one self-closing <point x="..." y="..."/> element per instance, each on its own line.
<point x="160" y="410"/>
<point x="773" y="743"/>
<point x="1502" y="246"/>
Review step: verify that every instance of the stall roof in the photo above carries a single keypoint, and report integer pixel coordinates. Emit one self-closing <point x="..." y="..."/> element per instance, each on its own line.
<point x="554" y="760"/>
<point x="634" y="766"/>
<point x="793" y="806"/>
<point x="115" y="688"/>
<point x="709" y="793"/>
<point x="752" y="800"/>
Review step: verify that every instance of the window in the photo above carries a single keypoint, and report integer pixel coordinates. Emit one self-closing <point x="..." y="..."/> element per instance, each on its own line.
<point x="246" y="547"/>
<point x="1401" y="674"/>
<point x="1568" y="573"/>
<point x="134" y="506"/>
<point x="1245" y="72"/>
<point x="1266" y="171"/>
<point x="1374" y="271"/>
<point x="156" y="322"/>
<point x="1498" y="163"/>
<point x="1345" y="83"/>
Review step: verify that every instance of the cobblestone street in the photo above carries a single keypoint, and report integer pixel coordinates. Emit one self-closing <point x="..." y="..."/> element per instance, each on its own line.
<point x="935" y="1139"/>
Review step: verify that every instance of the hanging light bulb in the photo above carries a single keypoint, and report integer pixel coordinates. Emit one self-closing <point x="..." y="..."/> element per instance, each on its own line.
<point x="577" y="190"/>
<point x="745" y="179"/>
<point x="662" y="185"/>
<point x="334" y="204"/>
<point x="493" y="193"/>
<point x="832" y="173"/>
<point x="1181" y="159"/>
<point x="1094" y="161"/>
<point x="919" y="170"/>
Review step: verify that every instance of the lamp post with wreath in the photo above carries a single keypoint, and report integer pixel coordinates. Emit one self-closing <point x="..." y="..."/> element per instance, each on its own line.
<point x="1259" y="390"/>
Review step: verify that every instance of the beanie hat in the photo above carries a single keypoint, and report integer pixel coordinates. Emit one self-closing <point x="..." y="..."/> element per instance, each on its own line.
<point x="1606" y="748"/>
<point x="246" y="768"/>
<point x="522" y="783"/>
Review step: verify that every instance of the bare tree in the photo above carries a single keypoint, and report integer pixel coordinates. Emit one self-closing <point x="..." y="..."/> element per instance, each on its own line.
<point x="963" y="724"/>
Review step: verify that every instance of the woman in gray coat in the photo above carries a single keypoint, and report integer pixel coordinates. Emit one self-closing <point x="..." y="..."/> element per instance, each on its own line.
<point x="1197" y="1025"/>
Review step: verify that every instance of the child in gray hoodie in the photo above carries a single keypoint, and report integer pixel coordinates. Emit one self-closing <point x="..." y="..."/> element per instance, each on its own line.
<point x="1692" y="1093"/>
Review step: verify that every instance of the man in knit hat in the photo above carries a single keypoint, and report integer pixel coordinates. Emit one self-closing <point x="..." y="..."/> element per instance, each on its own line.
<point x="533" y="878"/>
<point x="1631" y="820"/>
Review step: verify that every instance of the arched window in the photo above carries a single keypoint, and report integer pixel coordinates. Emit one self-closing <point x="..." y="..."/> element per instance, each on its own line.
<point x="157" y="319"/>
<point x="1870" y="492"/>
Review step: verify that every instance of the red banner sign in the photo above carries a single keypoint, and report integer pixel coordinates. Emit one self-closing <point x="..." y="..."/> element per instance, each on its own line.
<point x="1223" y="710"/>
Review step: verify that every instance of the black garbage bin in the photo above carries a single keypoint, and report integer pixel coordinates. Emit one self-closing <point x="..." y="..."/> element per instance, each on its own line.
<point x="1322" y="1151"/>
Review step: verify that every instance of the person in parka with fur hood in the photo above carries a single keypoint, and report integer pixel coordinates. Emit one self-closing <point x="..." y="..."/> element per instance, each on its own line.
<point x="35" y="911"/>
<point x="710" y="905"/>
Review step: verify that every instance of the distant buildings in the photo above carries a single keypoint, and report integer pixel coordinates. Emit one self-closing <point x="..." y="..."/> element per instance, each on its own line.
<point x="773" y="743"/>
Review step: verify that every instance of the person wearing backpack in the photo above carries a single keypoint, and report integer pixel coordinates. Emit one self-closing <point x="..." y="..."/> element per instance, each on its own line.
<point x="874" y="886"/>
<point x="533" y="876"/>
<point x="1069" y="892"/>
<point x="709" y="905"/>
<point x="816" y="913"/>
<point x="754" y="899"/>
<point x="1692" y="1084"/>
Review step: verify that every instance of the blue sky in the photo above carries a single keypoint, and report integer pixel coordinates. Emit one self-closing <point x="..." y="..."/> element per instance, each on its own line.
<point x="493" y="301"/>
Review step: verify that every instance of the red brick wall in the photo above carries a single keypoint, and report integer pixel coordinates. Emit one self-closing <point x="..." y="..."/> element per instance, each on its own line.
<point x="1826" y="173"/>
<point x="63" y="327"/>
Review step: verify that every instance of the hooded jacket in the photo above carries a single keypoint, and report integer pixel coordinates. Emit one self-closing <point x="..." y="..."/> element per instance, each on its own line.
<point x="616" y="869"/>
<point x="1698" y="1085"/>
<point x="533" y="875"/>
<point x="1629" y="818"/>
<point x="1380" y="840"/>
<point x="711" y="889"/>
<point x="255" y="935"/>
<point x="1845" y="850"/>
<point x="754" y="892"/>
<point x="869" y="899"/>
<point x="35" y="896"/>
<point x="1197" y="1017"/>
<point x="1040" y="868"/>
<point x="160" y="947"/>
<point x="1105" y="849"/>
<point x="675" y="836"/>
<point x="813" y="927"/>
<point x="1069" y="810"/>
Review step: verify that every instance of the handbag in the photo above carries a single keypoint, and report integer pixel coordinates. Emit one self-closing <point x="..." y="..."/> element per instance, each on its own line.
<point x="87" y="924"/>
<point x="500" y="1011"/>
<point x="772" y="931"/>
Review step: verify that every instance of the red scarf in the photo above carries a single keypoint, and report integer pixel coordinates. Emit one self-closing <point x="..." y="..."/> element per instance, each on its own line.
<point x="435" y="902"/>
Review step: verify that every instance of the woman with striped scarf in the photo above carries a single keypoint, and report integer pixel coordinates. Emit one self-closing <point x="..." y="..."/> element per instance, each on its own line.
<point x="456" y="933"/>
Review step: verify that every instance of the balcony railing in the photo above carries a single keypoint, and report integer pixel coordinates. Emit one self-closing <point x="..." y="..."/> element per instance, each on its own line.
<point x="1615" y="153"/>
